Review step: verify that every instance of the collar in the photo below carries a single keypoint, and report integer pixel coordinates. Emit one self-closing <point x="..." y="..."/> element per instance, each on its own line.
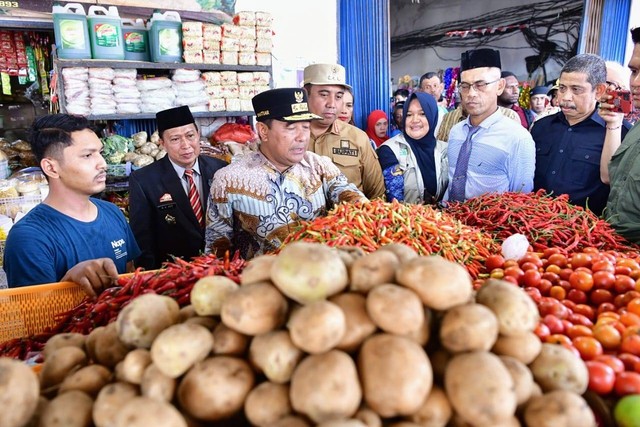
<point x="488" y="122"/>
<point x="180" y="170"/>
<point x="264" y="161"/>
<point x="594" y="116"/>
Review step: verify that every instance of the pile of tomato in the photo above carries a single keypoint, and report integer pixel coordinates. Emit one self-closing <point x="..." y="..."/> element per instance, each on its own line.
<point x="589" y="302"/>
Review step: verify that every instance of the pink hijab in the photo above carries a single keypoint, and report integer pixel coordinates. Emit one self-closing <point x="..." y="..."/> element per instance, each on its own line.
<point x="371" y="126"/>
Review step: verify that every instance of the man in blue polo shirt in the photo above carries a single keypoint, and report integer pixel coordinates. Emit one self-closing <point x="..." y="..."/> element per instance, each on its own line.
<point x="569" y="143"/>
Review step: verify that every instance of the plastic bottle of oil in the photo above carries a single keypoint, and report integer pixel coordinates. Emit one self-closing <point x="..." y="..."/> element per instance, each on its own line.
<point x="70" y="30"/>
<point x="105" y="32"/>
<point x="136" y="40"/>
<point x="165" y="37"/>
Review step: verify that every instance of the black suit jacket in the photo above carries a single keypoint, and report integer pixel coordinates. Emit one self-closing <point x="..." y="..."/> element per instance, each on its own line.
<point x="160" y="214"/>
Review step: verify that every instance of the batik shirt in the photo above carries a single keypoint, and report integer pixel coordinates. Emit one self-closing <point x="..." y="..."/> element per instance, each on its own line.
<point x="253" y="207"/>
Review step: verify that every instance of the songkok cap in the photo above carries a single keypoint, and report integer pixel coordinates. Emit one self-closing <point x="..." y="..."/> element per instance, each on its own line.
<point x="325" y="74"/>
<point x="539" y="90"/>
<point x="479" y="58"/>
<point x="285" y="104"/>
<point x="173" y="118"/>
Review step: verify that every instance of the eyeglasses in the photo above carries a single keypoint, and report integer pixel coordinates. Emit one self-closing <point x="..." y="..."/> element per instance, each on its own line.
<point x="613" y="85"/>
<point x="477" y="86"/>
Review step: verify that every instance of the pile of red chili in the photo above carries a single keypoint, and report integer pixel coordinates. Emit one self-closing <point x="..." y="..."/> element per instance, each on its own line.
<point x="424" y="228"/>
<point x="175" y="280"/>
<point x="546" y="221"/>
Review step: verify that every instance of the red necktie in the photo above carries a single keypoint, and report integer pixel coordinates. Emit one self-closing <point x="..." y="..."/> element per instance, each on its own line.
<point x="194" y="197"/>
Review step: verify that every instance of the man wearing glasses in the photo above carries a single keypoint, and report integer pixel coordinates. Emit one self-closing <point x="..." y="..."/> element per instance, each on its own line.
<point x="168" y="198"/>
<point x="569" y="144"/>
<point x="488" y="152"/>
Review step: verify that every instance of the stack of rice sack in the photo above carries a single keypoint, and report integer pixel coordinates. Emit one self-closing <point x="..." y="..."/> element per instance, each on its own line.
<point x="233" y="91"/>
<point x="264" y="38"/>
<point x="246" y="91"/>
<point x="156" y="94"/>
<point x="76" y="90"/>
<point x="230" y="90"/>
<point x="101" y="90"/>
<point x="211" y="35"/>
<point x="189" y="89"/>
<point x="192" y="42"/>
<point x="256" y="37"/>
<point x="213" y="89"/>
<point x="230" y="44"/>
<point x="261" y="81"/>
<point x="125" y="91"/>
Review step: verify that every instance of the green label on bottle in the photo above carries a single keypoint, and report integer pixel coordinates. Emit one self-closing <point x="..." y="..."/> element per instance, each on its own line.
<point x="106" y="35"/>
<point x="169" y="42"/>
<point x="72" y="34"/>
<point x="134" y="42"/>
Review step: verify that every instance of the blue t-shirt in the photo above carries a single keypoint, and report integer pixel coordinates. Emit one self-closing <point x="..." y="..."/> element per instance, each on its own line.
<point x="45" y="244"/>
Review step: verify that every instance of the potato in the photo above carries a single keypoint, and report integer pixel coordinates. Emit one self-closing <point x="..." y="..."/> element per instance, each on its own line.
<point x="307" y="272"/>
<point x="515" y="310"/>
<point x="373" y="269"/>
<point x="134" y="365"/>
<point x="395" y="309"/>
<point x="522" y="378"/>
<point x="358" y="323"/>
<point x="557" y="368"/>
<point x="396" y="374"/>
<point x="176" y="349"/>
<point x="72" y="339"/>
<point x="34" y="421"/>
<point x="215" y="388"/>
<point x="559" y="408"/>
<point x="157" y="385"/>
<point x="275" y="355"/>
<point x="61" y="363"/>
<point x="90" y="342"/>
<point x="291" y="421"/>
<point x="423" y="333"/>
<point x="209" y="293"/>
<point x="228" y="342"/>
<point x="258" y="270"/>
<point x="208" y="322"/>
<point x="19" y="390"/>
<point x="71" y="409"/>
<point x="254" y="309"/>
<point x="402" y="251"/>
<point x="349" y="254"/>
<point x="186" y="312"/>
<point x="108" y="348"/>
<point x="468" y="327"/>
<point x="368" y="417"/>
<point x="317" y="327"/>
<point x="325" y="387"/>
<point x="524" y="347"/>
<point x="480" y="388"/>
<point x="439" y="283"/>
<point x="140" y="322"/>
<point x="435" y="411"/>
<point x="143" y="412"/>
<point x="89" y="379"/>
<point x="267" y="403"/>
<point x="109" y="401"/>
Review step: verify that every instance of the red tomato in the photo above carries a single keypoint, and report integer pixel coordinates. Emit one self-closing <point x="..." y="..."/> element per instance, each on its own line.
<point x="624" y="284"/>
<point x="550" y="251"/>
<point x="514" y="271"/>
<point x="510" y="279"/>
<point x="532" y="258"/>
<point x="622" y="270"/>
<point x="604" y="280"/>
<point x="558" y="259"/>
<point x="631" y="344"/>
<point x="531" y="277"/>
<point x="544" y="286"/>
<point x="581" y="280"/>
<point x="569" y="304"/>
<point x="613" y="362"/>
<point x="586" y="311"/>
<point x="510" y="263"/>
<point x="628" y="262"/>
<point x="494" y="261"/>
<point x="634" y="306"/>
<point x="497" y="273"/>
<point x="552" y="277"/>
<point x="629" y="319"/>
<point x="574" y="331"/>
<point x="577" y="296"/>
<point x="565" y="273"/>
<point x="608" y="335"/>
<point x="554" y="324"/>
<point x="629" y="360"/>
<point x="542" y="331"/>
<point x="552" y="268"/>
<point x="565" y="284"/>
<point x="552" y="306"/>
<point x="580" y="260"/>
<point x="601" y="377"/>
<point x="627" y="383"/>
<point x="579" y="319"/>
<point x="534" y="294"/>
<point x="529" y="266"/>
<point x="558" y="293"/>
<point x="599" y="296"/>
<point x="588" y="347"/>
<point x="606" y="307"/>
<point x="591" y="250"/>
<point x="603" y="265"/>
<point x="561" y="339"/>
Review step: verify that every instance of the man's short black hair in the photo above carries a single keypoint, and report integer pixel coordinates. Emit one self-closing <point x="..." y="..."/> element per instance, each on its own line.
<point x="401" y="92"/>
<point x="505" y="74"/>
<point x="429" y="75"/>
<point x="50" y="134"/>
<point x="635" y="35"/>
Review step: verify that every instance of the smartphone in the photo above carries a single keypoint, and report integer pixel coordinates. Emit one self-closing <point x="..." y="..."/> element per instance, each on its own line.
<point x="621" y="101"/>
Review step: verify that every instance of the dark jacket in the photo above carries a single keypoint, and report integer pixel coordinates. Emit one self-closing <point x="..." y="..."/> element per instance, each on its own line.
<point x="160" y="215"/>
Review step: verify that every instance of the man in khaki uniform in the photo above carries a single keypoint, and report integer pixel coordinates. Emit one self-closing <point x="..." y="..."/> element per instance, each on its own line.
<point x="347" y="146"/>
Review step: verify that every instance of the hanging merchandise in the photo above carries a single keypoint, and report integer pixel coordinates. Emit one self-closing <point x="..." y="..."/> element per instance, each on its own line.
<point x="105" y="33"/>
<point x="136" y="40"/>
<point x="71" y="33"/>
<point x="165" y="37"/>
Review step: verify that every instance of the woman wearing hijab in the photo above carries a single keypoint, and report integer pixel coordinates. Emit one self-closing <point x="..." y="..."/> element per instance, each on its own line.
<point x="377" y="125"/>
<point x="414" y="164"/>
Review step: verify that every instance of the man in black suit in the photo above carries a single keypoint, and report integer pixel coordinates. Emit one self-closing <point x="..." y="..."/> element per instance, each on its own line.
<point x="168" y="198"/>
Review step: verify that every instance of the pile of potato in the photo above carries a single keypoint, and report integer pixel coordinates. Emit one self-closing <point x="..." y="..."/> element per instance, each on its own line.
<point x="312" y="336"/>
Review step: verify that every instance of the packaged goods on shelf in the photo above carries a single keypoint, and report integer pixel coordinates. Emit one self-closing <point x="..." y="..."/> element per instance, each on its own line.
<point x="232" y="104"/>
<point x="264" y="33"/>
<point x="261" y="78"/>
<point x="216" y="104"/>
<point x="156" y="94"/>
<point x="76" y="90"/>
<point x="211" y="77"/>
<point x="260" y="88"/>
<point x="245" y="79"/>
<point x="229" y="91"/>
<point x="189" y="89"/>
<point x="248" y="33"/>
<point x="247" y="18"/>
<point x="193" y="57"/>
<point x="192" y="43"/>
<point x="246" y="92"/>
<point x="125" y="92"/>
<point x="101" y="90"/>
<point x="210" y="45"/>
<point x="228" y="77"/>
<point x="214" y="91"/>
<point x="231" y="31"/>
<point x="211" y="56"/>
<point x="229" y="44"/>
<point x="247" y="45"/>
<point x="246" y="105"/>
<point x="263" y="59"/>
<point x="211" y="32"/>
<point x="192" y="29"/>
<point x="263" y="19"/>
<point x="264" y="45"/>
<point x="246" y="58"/>
<point x="228" y="58"/>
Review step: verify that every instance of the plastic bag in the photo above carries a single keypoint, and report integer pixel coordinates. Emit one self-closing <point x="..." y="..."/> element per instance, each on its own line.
<point x="515" y="247"/>
<point x="234" y="132"/>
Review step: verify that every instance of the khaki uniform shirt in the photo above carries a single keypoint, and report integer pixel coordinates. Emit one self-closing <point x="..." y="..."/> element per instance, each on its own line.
<point x="350" y="149"/>
<point x="454" y="117"/>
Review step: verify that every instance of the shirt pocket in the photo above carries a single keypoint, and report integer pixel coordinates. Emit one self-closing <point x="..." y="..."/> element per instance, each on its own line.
<point x="542" y="159"/>
<point x="585" y="167"/>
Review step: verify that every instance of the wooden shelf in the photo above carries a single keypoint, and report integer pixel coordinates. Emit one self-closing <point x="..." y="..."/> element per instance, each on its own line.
<point x="153" y="115"/>
<point x="143" y="65"/>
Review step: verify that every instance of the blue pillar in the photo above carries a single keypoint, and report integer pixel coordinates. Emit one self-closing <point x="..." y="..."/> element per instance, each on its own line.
<point x="615" y="29"/>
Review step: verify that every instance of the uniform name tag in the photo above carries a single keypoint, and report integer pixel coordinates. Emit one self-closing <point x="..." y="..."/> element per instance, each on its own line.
<point x="167" y="206"/>
<point x="353" y="152"/>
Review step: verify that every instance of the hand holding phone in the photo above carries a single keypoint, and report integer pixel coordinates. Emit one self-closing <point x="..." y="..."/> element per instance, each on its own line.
<point x="621" y="101"/>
